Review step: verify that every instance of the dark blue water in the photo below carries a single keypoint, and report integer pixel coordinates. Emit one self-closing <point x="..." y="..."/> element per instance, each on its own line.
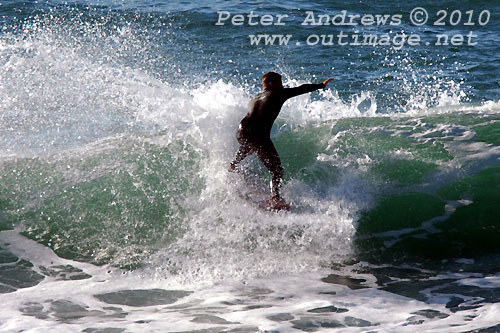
<point x="181" y="43"/>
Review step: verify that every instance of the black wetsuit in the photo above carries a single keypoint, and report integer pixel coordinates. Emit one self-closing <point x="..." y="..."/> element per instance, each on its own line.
<point x="254" y="132"/>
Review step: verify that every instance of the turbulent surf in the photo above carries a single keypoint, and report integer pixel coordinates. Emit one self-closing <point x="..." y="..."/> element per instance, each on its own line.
<point x="117" y="213"/>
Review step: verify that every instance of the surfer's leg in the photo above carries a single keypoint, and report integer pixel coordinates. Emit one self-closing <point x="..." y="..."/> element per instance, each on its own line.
<point x="242" y="152"/>
<point x="245" y="149"/>
<point x="269" y="156"/>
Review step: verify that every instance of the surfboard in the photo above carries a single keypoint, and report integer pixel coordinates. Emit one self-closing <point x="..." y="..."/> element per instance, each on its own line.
<point x="265" y="204"/>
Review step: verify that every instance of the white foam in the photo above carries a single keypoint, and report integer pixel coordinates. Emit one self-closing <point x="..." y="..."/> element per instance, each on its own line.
<point x="228" y="238"/>
<point x="249" y="303"/>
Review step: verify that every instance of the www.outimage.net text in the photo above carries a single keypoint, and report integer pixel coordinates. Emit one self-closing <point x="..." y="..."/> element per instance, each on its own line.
<point x="357" y="37"/>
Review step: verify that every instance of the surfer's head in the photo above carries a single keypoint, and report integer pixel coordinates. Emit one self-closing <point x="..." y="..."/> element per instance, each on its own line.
<point x="272" y="80"/>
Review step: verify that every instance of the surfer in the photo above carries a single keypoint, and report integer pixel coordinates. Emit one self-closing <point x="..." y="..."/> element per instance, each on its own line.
<point x="254" y="132"/>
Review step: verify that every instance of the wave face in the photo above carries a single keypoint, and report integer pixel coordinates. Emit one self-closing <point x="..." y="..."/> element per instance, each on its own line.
<point x="117" y="125"/>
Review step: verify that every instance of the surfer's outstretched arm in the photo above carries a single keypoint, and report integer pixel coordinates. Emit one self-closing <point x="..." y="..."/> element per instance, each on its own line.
<point x="305" y="88"/>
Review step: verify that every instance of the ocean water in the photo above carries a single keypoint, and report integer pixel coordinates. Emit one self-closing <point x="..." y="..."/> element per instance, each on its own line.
<point x="117" y="125"/>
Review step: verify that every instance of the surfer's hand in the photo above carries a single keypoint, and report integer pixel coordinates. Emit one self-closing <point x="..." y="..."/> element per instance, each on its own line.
<point x="325" y="83"/>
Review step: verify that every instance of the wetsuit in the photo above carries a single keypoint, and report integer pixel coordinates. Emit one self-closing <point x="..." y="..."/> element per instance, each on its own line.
<point x="254" y="132"/>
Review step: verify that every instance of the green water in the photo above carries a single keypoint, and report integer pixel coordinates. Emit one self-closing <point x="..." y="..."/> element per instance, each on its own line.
<point x="122" y="199"/>
<point x="115" y="205"/>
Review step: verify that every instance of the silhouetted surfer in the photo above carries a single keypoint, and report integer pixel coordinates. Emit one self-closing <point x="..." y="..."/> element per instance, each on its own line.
<point x="254" y="132"/>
